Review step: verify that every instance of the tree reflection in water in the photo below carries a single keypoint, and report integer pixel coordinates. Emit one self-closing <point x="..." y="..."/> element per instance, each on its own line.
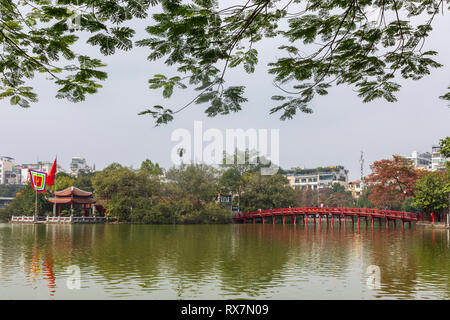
<point x="218" y="261"/>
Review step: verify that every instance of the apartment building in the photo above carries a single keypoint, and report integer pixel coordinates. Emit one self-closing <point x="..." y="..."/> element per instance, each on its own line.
<point x="314" y="178"/>
<point x="79" y="165"/>
<point x="6" y="167"/>
<point x="437" y="159"/>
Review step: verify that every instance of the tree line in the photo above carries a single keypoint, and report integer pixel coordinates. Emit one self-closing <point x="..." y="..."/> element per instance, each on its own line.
<point x="184" y="194"/>
<point x="190" y="193"/>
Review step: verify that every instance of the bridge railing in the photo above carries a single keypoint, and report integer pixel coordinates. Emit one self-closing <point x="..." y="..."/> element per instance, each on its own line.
<point x="376" y="213"/>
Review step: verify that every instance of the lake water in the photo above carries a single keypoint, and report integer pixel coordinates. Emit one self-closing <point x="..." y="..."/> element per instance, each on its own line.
<point x="222" y="262"/>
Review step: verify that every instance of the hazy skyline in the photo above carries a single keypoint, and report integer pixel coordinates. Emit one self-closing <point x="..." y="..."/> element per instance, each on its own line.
<point x="106" y="127"/>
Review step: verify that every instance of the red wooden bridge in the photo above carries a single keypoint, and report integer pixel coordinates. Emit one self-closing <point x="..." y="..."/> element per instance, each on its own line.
<point x="330" y="214"/>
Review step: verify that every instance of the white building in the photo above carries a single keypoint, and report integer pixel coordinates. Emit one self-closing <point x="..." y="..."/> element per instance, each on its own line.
<point x="321" y="177"/>
<point x="6" y="166"/>
<point x="421" y="160"/>
<point x="79" y="165"/>
<point x="437" y="159"/>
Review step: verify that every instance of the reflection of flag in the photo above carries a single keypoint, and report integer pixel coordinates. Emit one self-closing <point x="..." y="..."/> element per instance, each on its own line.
<point x="52" y="174"/>
<point x="38" y="180"/>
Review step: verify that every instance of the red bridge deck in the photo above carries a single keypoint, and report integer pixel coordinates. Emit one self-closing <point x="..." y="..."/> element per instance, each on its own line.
<point x="328" y="213"/>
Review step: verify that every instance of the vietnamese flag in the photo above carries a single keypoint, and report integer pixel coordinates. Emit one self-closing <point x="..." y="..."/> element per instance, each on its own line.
<point x="51" y="175"/>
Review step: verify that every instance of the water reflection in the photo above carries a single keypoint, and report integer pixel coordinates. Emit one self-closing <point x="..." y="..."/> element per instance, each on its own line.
<point x="231" y="261"/>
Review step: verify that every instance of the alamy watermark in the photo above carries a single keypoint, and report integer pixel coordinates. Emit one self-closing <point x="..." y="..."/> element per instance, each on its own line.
<point x="213" y="147"/>
<point x="73" y="281"/>
<point x="374" y="279"/>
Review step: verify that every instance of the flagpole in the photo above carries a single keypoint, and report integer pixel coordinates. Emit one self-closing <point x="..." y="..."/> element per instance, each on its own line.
<point x="36" y="205"/>
<point x="54" y="204"/>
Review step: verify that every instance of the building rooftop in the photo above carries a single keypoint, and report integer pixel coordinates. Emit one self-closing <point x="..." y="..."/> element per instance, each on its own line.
<point x="317" y="170"/>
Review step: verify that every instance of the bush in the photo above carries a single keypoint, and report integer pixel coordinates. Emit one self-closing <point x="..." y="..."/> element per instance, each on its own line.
<point x="210" y="213"/>
<point x="178" y="212"/>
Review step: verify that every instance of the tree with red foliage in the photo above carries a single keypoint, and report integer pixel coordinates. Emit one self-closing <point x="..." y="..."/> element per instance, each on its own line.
<point x="393" y="181"/>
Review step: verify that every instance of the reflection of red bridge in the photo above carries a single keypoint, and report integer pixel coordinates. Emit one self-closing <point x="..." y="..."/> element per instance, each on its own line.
<point x="328" y="213"/>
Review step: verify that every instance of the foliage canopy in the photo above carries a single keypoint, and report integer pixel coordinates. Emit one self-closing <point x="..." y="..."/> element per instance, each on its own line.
<point x="367" y="44"/>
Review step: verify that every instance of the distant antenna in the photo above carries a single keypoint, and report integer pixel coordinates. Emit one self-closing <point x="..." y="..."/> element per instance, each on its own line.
<point x="361" y="162"/>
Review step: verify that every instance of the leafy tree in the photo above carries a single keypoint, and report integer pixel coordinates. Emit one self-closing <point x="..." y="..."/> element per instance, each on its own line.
<point x="338" y="197"/>
<point x="392" y="182"/>
<point x="243" y="161"/>
<point x="432" y="192"/>
<point x="230" y="181"/>
<point x="150" y="168"/>
<point x="445" y="147"/>
<point x="195" y="182"/>
<point x="39" y="36"/>
<point x="84" y="181"/>
<point x="306" y="197"/>
<point x="363" y="200"/>
<point x="235" y="165"/>
<point x="25" y="201"/>
<point x="123" y="188"/>
<point x="210" y="213"/>
<point x="264" y="192"/>
<point x="63" y="181"/>
<point x="324" y="43"/>
<point x="409" y="206"/>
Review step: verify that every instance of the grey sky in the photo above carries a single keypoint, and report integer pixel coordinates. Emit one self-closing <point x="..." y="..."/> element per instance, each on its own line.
<point x="106" y="127"/>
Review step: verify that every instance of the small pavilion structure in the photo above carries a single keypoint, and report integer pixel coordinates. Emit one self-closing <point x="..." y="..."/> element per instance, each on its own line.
<point x="74" y="197"/>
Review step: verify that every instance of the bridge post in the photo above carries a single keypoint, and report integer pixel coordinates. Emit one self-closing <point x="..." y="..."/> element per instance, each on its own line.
<point x="332" y="217"/>
<point x="283" y="218"/>
<point x="403" y="224"/>
<point x="387" y="223"/>
<point x="372" y="222"/>
<point x="314" y="219"/>
<point x="395" y="222"/>
<point x="295" y="219"/>
<point x="358" y="221"/>
<point x="253" y="220"/>
<point x="263" y="221"/>
<point x="273" y="218"/>
<point x="409" y="224"/>
<point x="320" y="219"/>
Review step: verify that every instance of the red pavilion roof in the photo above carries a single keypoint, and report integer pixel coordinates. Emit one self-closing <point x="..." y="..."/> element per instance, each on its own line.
<point x="66" y="200"/>
<point x="72" y="195"/>
<point x="72" y="192"/>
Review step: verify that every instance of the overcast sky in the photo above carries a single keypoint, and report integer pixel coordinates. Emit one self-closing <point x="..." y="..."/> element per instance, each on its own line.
<point x="106" y="127"/>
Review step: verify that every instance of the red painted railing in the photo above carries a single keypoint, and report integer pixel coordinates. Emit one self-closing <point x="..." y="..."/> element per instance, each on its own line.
<point x="361" y="212"/>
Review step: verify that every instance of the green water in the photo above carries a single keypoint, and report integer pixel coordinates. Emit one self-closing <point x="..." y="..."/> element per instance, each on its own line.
<point x="222" y="262"/>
